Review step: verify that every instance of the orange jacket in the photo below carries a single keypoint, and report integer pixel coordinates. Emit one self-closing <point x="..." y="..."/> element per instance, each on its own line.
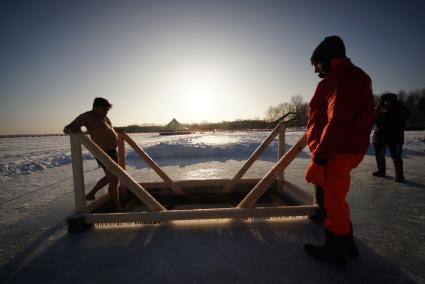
<point x="341" y="112"/>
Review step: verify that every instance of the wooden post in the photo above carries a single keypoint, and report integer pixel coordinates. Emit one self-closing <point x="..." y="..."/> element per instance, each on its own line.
<point x="280" y="153"/>
<point x="121" y="162"/>
<point x="78" y="174"/>
<point x="271" y="176"/>
<point x="175" y="188"/>
<point x="121" y="151"/>
<point x="251" y="160"/>
<point x="121" y="174"/>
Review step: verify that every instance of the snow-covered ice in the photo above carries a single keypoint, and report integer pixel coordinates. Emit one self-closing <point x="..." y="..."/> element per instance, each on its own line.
<point x="36" y="185"/>
<point x="32" y="154"/>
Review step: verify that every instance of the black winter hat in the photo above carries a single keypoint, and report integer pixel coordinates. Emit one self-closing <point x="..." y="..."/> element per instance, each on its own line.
<point x="389" y="97"/>
<point x="330" y="47"/>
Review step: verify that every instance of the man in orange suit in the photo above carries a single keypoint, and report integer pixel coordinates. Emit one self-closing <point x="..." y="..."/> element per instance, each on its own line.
<point x="340" y="121"/>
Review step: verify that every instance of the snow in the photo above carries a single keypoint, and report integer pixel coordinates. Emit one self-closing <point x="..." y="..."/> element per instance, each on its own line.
<point x="28" y="155"/>
<point x="21" y="156"/>
<point x="36" y="181"/>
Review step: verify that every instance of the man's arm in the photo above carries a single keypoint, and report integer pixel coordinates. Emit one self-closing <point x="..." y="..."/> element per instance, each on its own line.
<point x="339" y="113"/>
<point x="108" y="121"/>
<point x="342" y="104"/>
<point x="76" y="124"/>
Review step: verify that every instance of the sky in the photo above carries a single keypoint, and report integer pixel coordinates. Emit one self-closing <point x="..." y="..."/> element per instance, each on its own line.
<point x="196" y="61"/>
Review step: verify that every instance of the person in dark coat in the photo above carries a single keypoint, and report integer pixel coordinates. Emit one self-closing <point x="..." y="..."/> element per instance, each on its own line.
<point x="389" y="133"/>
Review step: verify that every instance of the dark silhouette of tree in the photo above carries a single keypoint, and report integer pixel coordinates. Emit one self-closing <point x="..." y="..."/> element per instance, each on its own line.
<point x="296" y="105"/>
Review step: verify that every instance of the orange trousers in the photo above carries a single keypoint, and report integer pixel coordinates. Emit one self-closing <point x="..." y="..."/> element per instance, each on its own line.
<point x="335" y="190"/>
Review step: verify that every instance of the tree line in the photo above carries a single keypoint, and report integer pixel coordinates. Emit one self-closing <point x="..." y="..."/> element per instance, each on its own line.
<point x="414" y="100"/>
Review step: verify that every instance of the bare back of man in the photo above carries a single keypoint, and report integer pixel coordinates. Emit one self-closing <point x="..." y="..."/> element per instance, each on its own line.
<point x="100" y="129"/>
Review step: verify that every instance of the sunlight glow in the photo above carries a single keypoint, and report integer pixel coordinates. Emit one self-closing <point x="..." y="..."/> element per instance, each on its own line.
<point x="196" y="90"/>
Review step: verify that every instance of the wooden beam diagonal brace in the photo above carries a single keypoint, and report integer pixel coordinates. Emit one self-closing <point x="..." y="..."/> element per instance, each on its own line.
<point x="121" y="174"/>
<point x="252" y="159"/>
<point x="262" y="186"/>
<point x="174" y="187"/>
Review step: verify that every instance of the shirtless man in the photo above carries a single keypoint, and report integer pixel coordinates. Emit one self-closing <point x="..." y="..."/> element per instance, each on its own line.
<point x="103" y="134"/>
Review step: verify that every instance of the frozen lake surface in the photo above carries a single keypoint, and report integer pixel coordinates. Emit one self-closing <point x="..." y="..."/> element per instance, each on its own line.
<point x="36" y="185"/>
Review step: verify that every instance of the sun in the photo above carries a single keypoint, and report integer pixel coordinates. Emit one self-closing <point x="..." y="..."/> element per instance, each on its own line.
<point x="197" y="93"/>
<point x="199" y="100"/>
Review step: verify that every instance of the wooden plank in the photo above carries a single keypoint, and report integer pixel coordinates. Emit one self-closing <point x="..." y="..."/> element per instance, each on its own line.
<point x="251" y="160"/>
<point x="121" y="151"/>
<point x="98" y="202"/>
<point x="280" y="153"/>
<point x="122" y="175"/>
<point x="78" y="174"/>
<point x="199" y="186"/>
<point x="275" y="199"/>
<point x="195" y="214"/>
<point x="271" y="176"/>
<point x="184" y="184"/>
<point x="121" y="161"/>
<point x="175" y="188"/>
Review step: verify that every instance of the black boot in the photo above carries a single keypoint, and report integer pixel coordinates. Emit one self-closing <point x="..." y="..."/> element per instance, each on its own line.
<point x="352" y="249"/>
<point x="379" y="174"/>
<point x="334" y="249"/>
<point x="398" y="165"/>
<point x="380" y="159"/>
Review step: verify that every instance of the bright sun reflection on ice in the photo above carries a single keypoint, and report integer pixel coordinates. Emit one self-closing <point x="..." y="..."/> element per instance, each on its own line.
<point x="215" y="140"/>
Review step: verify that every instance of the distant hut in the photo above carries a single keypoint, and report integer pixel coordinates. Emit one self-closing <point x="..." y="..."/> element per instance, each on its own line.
<point x="174" y="128"/>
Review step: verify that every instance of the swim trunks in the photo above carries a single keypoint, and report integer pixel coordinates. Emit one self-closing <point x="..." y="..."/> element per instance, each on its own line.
<point x="111" y="153"/>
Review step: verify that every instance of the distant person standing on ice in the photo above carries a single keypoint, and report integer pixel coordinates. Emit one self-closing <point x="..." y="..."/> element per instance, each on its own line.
<point x="389" y="132"/>
<point x="340" y="122"/>
<point x="103" y="134"/>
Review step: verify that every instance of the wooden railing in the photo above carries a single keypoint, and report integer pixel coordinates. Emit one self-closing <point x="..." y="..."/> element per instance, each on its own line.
<point x="124" y="178"/>
<point x="176" y="189"/>
<point x="278" y="129"/>
<point x="271" y="176"/>
<point x="242" y="210"/>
